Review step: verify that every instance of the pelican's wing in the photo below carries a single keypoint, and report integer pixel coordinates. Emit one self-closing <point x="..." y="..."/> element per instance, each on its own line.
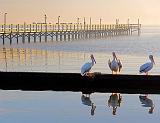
<point x="86" y="68"/>
<point x="145" y="67"/>
<point x="119" y="65"/>
<point x="109" y="64"/>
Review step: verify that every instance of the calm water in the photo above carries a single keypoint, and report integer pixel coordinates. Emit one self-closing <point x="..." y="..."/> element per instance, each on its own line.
<point x="69" y="107"/>
<point x="61" y="107"/>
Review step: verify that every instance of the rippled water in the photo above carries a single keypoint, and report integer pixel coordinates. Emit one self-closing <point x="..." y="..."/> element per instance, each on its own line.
<point x="61" y="107"/>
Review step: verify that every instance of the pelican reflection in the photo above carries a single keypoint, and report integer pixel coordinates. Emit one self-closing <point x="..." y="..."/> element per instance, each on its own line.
<point x="114" y="101"/>
<point x="86" y="100"/>
<point x="147" y="102"/>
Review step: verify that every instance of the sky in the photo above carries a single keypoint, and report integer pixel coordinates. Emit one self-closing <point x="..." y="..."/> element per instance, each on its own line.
<point x="29" y="11"/>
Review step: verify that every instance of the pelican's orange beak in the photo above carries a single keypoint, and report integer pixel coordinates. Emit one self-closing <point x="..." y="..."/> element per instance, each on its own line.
<point x="92" y="57"/>
<point x="151" y="58"/>
<point x="114" y="55"/>
<point x="154" y="61"/>
<point x="94" y="60"/>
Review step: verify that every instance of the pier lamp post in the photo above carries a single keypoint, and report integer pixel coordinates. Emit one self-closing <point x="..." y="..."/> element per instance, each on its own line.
<point x="128" y="21"/>
<point x="5" y="20"/>
<point x="100" y="23"/>
<point x="78" y="21"/>
<point x="45" y="22"/>
<point x="84" y="22"/>
<point x="45" y="19"/>
<point x="90" y="23"/>
<point x="58" y="22"/>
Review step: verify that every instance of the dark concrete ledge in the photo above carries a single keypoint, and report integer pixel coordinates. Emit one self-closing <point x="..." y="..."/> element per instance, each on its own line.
<point x="75" y="82"/>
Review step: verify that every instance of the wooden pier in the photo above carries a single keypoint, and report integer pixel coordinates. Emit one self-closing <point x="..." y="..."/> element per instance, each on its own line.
<point x="63" y="32"/>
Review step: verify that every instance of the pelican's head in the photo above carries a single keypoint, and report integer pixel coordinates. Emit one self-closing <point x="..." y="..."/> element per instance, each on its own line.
<point x="114" y="55"/>
<point x="93" y="59"/>
<point x="151" y="58"/>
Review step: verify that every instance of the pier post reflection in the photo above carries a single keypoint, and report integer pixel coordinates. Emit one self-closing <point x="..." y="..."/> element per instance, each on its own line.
<point x="19" y="59"/>
<point x="5" y="58"/>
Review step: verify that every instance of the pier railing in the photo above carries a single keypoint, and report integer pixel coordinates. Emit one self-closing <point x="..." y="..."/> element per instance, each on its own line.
<point x="14" y="28"/>
<point x="64" y="32"/>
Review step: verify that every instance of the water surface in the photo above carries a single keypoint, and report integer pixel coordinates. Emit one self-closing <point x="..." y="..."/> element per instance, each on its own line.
<point x="62" y="107"/>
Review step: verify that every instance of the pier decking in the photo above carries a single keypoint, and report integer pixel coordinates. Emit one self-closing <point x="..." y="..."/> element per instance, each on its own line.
<point x="63" y="32"/>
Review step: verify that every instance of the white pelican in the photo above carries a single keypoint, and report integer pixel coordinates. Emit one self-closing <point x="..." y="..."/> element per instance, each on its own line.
<point x="87" y="66"/>
<point x="115" y="65"/>
<point x="147" y="66"/>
